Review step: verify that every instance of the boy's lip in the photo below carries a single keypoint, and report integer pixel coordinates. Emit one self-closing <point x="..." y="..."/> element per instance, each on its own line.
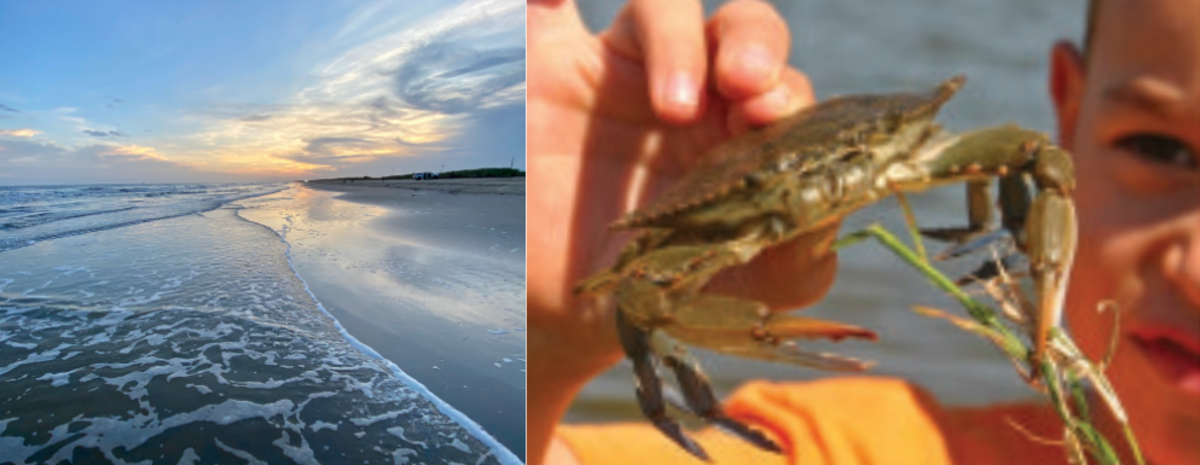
<point x="1174" y="353"/>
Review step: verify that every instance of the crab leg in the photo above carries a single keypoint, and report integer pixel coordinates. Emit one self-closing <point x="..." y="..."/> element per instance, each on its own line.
<point x="664" y="295"/>
<point x="748" y="329"/>
<point x="1045" y="229"/>
<point x="636" y="343"/>
<point x="698" y="393"/>
<point x="660" y="294"/>
<point x="641" y="345"/>
<point x="979" y="215"/>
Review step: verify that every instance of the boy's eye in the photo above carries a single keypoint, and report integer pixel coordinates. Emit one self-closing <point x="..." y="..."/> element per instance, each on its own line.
<point x="1158" y="148"/>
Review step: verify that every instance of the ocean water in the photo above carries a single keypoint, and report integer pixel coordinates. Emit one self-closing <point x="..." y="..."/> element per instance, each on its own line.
<point x="434" y="282"/>
<point x="154" y="324"/>
<point x="29" y="214"/>
<point x="852" y="46"/>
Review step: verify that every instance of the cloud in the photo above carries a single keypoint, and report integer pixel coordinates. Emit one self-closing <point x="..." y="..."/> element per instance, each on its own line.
<point x="63" y="112"/>
<point x="451" y="77"/>
<point x="104" y="134"/>
<point x="434" y="85"/>
<point x="132" y="152"/>
<point x="19" y="150"/>
<point x="413" y="91"/>
<point x="22" y="133"/>
<point x="31" y="161"/>
<point x="4" y="107"/>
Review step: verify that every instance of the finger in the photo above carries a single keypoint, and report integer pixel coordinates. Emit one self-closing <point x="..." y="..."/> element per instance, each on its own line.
<point x="668" y="36"/>
<point x="787" y="277"/>
<point x="752" y="44"/>
<point x="792" y="93"/>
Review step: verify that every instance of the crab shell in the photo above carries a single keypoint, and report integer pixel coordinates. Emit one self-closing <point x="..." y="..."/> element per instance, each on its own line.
<point x="722" y="191"/>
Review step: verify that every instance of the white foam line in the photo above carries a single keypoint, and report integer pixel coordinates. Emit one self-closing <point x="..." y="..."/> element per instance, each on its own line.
<point x="504" y="455"/>
<point x="5" y="247"/>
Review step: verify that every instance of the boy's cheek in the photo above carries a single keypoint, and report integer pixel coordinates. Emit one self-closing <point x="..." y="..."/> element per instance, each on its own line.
<point x="1117" y="194"/>
<point x="1143" y="182"/>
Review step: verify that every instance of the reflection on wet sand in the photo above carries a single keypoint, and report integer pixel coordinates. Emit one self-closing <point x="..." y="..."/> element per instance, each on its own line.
<point x="432" y="280"/>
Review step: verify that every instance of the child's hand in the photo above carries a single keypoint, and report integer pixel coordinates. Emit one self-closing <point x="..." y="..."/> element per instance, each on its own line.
<point x="612" y="121"/>
<point x="649" y="95"/>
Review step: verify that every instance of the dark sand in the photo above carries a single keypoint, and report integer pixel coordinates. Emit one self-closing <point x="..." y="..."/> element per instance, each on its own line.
<point x="497" y="186"/>
<point x="429" y="274"/>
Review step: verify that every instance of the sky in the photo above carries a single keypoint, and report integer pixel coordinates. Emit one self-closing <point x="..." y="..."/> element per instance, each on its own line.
<point x="221" y="91"/>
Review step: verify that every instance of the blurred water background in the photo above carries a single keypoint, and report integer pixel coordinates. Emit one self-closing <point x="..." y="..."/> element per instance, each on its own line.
<point x="850" y="46"/>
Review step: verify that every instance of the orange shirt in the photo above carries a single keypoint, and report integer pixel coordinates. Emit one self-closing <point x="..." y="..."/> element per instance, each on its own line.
<point x="842" y="421"/>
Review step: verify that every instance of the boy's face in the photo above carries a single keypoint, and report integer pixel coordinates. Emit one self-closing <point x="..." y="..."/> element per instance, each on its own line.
<point x="1131" y="115"/>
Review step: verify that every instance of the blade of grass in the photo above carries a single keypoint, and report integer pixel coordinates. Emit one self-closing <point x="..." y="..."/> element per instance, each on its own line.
<point x="911" y="220"/>
<point x="985" y="316"/>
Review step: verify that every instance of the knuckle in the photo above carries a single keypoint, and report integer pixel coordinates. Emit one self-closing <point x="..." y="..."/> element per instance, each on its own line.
<point x="756" y="17"/>
<point x="749" y="8"/>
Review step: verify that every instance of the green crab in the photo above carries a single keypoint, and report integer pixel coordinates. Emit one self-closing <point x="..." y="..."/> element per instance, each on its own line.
<point x="772" y="185"/>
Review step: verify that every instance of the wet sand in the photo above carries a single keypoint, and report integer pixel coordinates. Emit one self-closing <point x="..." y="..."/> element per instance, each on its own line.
<point x="495" y="186"/>
<point x="429" y="274"/>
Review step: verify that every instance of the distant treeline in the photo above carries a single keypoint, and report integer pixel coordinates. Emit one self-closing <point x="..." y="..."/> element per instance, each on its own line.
<point x="475" y="173"/>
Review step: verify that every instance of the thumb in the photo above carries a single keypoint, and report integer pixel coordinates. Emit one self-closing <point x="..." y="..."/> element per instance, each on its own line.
<point x="552" y="17"/>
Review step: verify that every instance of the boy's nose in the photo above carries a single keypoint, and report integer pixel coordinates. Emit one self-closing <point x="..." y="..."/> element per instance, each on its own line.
<point x="1182" y="261"/>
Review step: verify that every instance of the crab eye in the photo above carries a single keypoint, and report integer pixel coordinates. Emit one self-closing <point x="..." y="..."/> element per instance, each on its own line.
<point x="1160" y="149"/>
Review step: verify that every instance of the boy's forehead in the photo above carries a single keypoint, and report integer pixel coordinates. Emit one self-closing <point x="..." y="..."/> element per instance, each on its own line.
<point x="1159" y="37"/>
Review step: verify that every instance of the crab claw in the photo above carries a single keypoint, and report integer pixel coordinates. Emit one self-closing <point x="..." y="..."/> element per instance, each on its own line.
<point x="1051" y="233"/>
<point x="1043" y="228"/>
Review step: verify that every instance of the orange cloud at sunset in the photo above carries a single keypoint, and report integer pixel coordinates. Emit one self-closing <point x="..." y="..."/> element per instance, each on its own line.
<point x="135" y="152"/>
<point x="23" y="133"/>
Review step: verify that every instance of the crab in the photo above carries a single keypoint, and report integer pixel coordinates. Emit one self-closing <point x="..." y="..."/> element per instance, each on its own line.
<point x="806" y="172"/>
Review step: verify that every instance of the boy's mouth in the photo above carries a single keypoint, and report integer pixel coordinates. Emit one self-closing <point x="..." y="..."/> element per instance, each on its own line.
<point x="1173" y="354"/>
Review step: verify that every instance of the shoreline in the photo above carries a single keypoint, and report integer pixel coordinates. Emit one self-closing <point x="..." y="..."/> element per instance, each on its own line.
<point x="431" y="280"/>
<point x="505" y="455"/>
<point x="454" y="186"/>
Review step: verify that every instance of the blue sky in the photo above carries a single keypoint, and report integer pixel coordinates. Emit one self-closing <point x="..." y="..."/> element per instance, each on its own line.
<point x="266" y="90"/>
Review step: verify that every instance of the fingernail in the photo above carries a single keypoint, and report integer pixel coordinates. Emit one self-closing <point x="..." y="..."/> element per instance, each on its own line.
<point x="758" y="61"/>
<point x="779" y="100"/>
<point x="682" y="91"/>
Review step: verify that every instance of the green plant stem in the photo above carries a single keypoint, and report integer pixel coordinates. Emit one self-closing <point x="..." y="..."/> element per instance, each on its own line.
<point x="981" y="313"/>
<point x="1077" y="420"/>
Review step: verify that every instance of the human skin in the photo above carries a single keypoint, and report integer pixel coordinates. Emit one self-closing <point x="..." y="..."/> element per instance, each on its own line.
<point x="615" y="118"/>
<point x="1138" y="201"/>
<point x="1139" y="210"/>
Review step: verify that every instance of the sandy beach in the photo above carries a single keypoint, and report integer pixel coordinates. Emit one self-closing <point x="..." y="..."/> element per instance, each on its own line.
<point x="430" y="274"/>
<point x="494" y="186"/>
